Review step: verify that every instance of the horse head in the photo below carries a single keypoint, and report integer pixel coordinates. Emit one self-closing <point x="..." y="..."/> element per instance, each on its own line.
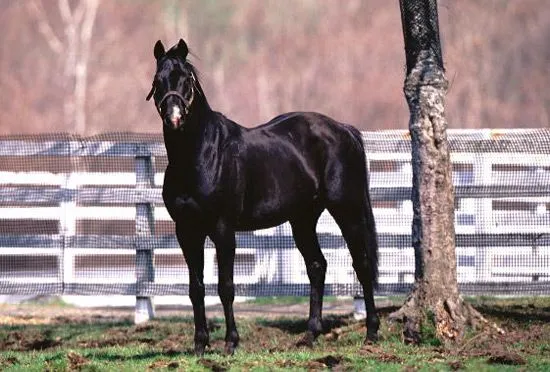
<point x="174" y="85"/>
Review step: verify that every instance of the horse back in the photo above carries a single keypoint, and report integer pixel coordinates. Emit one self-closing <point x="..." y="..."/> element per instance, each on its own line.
<point x="290" y="163"/>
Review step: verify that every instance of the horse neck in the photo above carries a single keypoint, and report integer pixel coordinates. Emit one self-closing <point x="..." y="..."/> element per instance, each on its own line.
<point x="183" y="147"/>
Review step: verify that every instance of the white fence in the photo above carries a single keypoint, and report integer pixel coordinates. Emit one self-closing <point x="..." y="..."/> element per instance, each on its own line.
<point x="85" y="216"/>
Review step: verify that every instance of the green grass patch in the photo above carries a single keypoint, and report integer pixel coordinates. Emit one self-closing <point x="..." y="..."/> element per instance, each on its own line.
<point x="286" y="300"/>
<point x="511" y="302"/>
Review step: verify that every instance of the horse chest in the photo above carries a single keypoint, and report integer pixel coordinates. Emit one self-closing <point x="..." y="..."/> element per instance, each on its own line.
<point x="194" y="201"/>
<point x="180" y="197"/>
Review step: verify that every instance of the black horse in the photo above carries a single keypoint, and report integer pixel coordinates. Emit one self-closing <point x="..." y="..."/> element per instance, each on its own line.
<point x="222" y="178"/>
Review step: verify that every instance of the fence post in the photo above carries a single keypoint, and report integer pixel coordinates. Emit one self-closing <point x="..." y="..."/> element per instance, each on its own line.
<point x="145" y="224"/>
<point x="67" y="228"/>
<point x="67" y="223"/>
<point x="483" y="169"/>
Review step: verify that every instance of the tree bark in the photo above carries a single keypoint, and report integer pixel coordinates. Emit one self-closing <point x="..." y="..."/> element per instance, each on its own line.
<point x="435" y="303"/>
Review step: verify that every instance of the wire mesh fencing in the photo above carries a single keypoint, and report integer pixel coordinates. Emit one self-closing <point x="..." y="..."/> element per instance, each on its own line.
<point x="84" y="216"/>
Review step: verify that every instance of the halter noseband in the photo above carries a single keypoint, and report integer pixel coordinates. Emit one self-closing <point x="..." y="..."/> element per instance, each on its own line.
<point x="186" y="103"/>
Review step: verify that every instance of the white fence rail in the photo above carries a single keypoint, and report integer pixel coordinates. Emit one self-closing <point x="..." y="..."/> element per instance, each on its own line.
<point x="86" y="217"/>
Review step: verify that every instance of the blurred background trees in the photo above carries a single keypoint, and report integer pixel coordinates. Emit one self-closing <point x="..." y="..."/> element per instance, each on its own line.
<point x="259" y="58"/>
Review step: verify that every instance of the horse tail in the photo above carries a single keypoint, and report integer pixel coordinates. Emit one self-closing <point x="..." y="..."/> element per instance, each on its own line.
<point x="370" y="232"/>
<point x="371" y="235"/>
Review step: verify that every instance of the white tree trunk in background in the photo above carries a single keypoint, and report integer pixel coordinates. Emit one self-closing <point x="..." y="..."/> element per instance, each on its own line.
<point x="176" y="25"/>
<point x="74" y="48"/>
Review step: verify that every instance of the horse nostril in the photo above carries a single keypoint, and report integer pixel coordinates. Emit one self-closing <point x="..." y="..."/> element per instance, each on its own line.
<point x="175" y="122"/>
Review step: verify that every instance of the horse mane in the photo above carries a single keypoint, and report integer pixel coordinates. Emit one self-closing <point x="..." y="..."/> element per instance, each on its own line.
<point x="196" y="82"/>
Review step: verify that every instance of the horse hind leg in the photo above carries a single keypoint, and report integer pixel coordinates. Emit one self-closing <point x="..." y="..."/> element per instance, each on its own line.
<point x="358" y="230"/>
<point x="305" y="237"/>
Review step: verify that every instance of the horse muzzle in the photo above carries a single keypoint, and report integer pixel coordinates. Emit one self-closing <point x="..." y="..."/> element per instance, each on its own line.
<point x="176" y="117"/>
<point x="175" y="113"/>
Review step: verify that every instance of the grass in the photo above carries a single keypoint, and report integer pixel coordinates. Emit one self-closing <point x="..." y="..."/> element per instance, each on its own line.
<point x="281" y="300"/>
<point x="270" y="344"/>
<point x="287" y="300"/>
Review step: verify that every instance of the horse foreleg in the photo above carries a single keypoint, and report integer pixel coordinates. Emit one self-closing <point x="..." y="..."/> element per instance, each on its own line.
<point x="224" y="240"/>
<point x="192" y="244"/>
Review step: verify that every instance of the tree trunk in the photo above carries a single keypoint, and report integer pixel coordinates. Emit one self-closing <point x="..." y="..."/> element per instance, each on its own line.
<point x="435" y="305"/>
<point x="81" y="67"/>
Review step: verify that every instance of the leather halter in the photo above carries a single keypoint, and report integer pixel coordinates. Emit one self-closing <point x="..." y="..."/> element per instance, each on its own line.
<point x="186" y="103"/>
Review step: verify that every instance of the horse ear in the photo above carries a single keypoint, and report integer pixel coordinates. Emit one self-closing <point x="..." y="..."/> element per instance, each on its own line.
<point x="182" y="49"/>
<point x="159" y="50"/>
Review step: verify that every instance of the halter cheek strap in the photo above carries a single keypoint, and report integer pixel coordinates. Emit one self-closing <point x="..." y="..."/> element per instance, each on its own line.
<point x="151" y="92"/>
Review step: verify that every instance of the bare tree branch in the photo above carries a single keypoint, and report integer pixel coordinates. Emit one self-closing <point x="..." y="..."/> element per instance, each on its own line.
<point x="36" y="9"/>
<point x="89" y="20"/>
<point x="65" y="11"/>
<point x="80" y="11"/>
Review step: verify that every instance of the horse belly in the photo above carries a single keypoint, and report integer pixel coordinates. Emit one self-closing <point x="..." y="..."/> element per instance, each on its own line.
<point x="280" y="180"/>
<point x="256" y="221"/>
<point x="275" y="205"/>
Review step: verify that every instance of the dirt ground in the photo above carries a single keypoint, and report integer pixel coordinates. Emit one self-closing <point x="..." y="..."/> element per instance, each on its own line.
<point x="279" y="330"/>
<point x="36" y="314"/>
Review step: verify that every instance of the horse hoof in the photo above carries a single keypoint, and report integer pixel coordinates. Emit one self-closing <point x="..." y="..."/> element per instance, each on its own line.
<point x="229" y="348"/>
<point x="307" y="340"/>
<point x="199" y="349"/>
<point x="371" y="338"/>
